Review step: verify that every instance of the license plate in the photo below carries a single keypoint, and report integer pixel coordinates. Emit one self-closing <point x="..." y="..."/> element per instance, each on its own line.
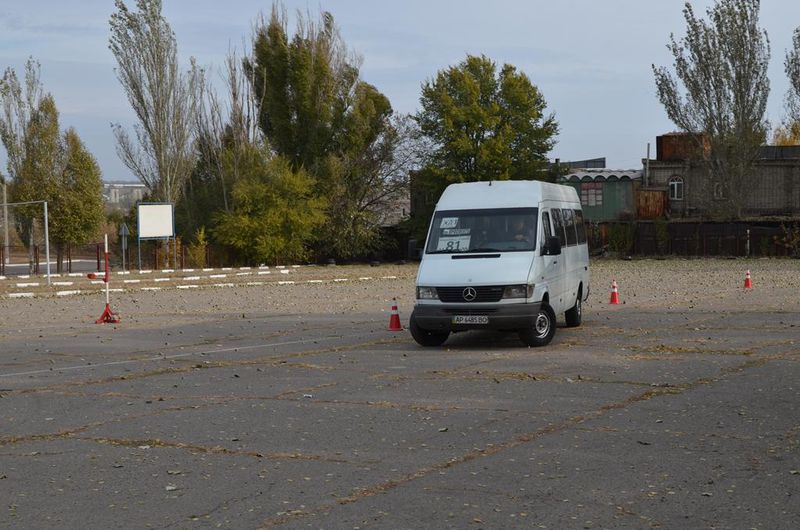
<point x="470" y="319"/>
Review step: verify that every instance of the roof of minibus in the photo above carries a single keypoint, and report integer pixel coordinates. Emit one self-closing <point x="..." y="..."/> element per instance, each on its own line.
<point x="503" y="194"/>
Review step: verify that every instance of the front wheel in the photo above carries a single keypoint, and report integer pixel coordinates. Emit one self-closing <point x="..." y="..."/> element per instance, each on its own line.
<point x="426" y="337"/>
<point x="543" y="329"/>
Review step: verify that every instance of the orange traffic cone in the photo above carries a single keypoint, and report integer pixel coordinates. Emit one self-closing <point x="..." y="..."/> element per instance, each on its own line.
<point x="614" y="293"/>
<point x="394" y="319"/>
<point x="748" y="284"/>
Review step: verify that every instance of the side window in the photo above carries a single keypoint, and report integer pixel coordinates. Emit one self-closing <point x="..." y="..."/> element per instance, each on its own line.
<point x="546" y="230"/>
<point x="558" y="226"/>
<point x="569" y="227"/>
<point x="580" y="226"/>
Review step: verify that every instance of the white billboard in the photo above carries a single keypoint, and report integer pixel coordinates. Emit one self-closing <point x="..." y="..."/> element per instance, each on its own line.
<point x="155" y="221"/>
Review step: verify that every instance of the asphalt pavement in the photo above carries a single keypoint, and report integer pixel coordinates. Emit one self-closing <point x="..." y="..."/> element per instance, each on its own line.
<point x="651" y="415"/>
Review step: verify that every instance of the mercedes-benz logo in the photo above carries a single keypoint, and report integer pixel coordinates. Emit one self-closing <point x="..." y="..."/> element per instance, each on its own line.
<point x="469" y="294"/>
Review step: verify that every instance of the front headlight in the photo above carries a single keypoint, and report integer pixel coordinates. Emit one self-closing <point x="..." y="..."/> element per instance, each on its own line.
<point x="427" y="293"/>
<point x="518" y="291"/>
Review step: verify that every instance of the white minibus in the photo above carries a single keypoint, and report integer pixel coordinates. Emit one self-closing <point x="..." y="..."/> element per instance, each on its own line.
<point x="502" y="255"/>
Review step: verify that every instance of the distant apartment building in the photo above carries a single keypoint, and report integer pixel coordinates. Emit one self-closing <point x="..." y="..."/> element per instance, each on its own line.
<point x="123" y="195"/>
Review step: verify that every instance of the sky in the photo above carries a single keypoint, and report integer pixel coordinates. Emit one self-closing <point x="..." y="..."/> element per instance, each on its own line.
<point x="591" y="59"/>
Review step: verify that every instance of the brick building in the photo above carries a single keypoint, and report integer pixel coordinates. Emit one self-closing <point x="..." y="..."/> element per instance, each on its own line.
<point x="773" y="188"/>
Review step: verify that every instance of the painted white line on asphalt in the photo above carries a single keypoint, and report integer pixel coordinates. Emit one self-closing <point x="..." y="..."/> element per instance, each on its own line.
<point x="260" y="273"/>
<point x="145" y="272"/>
<point x="314" y="281"/>
<point x="224" y="285"/>
<point x="363" y="278"/>
<point x="68" y="293"/>
<point x="3" y="278"/>
<point x="340" y="279"/>
<point x="244" y="273"/>
<point x="179" y="355"/>
<point x="63" y="283"/>
<point x="191" y="278"/>
<point x="280" y="266"/>
<point x="20" y="295"/>
<point x="117" y="290"/>
<point x="167" y="271"/>
<point x="244" y="268"/>
<point x="188" y="286"/>
<point x="255" y="283"/>
<point x="131" y="281"/>
<point x="262" y="267"/>
<point x="227" y="268"/>
<point x="162" y="279"/>
<point x="188" y="270"/>
<point x="151" y="288"/>
<point x="207" y="270"/>
<point x="295" y="266"/>
<point x="388" y="277"/>
<point x="24" y="276"/>
<point x="284" y="271"/>
<point x="31" y="284"/>
<point x="75" y="274"/>
<point x="218" y="276"/>
<point x="286" y="283"/>
<point x="96" y="282"/>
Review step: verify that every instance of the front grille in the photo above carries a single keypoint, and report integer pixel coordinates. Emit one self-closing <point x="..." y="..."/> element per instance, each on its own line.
<point x="470" y="311"/>
<point x="455" y="295"/>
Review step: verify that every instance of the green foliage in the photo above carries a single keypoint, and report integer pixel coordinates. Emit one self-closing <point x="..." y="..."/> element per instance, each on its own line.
<point x="662" y="235"/>
<point x="197" y="249"/>
<point x="317" y="114"/>
<point x="275" y="214"/>
<point x="486" y="125"/>
<point x="77" y="207"/>
<point x="621" y="237"/>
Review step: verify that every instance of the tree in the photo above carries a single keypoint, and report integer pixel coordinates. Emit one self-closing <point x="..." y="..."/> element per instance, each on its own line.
<point x="37" y="179"/>
<point x="486" y="124"/>
<point x="721" y="65"/>
<point x="482" y="125"/>
<point x="77" y="207"/>
<point x="274" y="211"/>
<point x="19" y="104"/>
<point x="316" y="112"/>
<point x="787" y="134"/>
<point x="161" y="155"/>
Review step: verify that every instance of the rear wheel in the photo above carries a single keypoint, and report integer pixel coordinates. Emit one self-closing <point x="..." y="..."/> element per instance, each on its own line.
<point x="426" y="337"/>
<point x="543" y="329"/>
<point x="573" y="316"/>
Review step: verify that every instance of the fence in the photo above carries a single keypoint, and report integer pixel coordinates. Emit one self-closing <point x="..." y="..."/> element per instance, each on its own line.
<point x="652" y="238"/>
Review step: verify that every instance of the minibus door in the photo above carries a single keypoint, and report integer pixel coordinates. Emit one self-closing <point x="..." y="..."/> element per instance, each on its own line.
<point x="553" y="267"/>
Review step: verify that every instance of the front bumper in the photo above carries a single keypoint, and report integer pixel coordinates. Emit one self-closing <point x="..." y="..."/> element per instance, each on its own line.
<point x="501" y="316"/>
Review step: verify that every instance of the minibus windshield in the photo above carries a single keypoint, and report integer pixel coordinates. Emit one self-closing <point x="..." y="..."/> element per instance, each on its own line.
<point x="483" y="230"/>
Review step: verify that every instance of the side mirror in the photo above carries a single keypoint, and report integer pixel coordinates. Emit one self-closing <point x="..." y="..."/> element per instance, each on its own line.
<point x="552" y="246"/>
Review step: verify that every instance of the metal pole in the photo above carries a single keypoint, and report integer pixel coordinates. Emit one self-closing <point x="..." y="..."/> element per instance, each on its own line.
<point x="105" y="279"/>
<point x="647" y="168"/>
<point x="47" y="242"/>
<point x="139" y="244"/>
<point x="5" y="223"/>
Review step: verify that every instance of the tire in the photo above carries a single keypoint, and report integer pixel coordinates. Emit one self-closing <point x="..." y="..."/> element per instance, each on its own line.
<point x="543" y="329"/>
<point x="574" y="315"/>
<point x="426" y="337"/>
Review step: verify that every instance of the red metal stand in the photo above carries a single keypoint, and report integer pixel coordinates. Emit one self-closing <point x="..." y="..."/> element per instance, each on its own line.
<point x="108" y="316"/>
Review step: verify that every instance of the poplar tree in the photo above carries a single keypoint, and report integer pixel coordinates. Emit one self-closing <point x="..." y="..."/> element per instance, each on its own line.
<point x="718" y="92"/>
<point x="160" y="153"/>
